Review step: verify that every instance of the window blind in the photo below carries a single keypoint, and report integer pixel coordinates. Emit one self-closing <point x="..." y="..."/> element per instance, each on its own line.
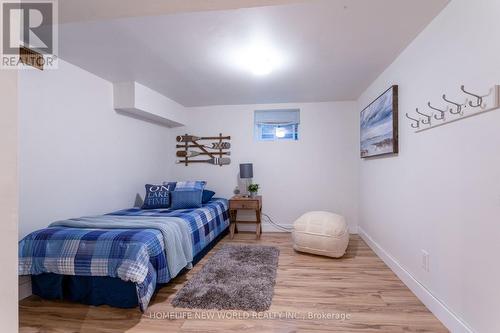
<point x="277" y="117"/>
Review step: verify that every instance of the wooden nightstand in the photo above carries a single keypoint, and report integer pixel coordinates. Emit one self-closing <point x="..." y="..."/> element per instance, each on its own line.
<point x="242" y="203"/>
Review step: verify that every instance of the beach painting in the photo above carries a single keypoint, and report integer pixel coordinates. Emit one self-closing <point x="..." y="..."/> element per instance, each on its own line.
<point x="379" y="125"/>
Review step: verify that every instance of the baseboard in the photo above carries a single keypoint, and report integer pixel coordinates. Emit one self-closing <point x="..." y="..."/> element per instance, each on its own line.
<point x="267" y="227"/>
<point x="24" y="287"/>
<point x="449" y="319"/>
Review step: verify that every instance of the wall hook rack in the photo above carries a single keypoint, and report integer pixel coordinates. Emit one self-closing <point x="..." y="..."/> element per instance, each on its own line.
<point x="475" y="104"/>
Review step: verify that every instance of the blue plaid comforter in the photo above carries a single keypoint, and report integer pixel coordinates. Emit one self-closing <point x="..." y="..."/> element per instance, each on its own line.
<point x="136" y="255"/>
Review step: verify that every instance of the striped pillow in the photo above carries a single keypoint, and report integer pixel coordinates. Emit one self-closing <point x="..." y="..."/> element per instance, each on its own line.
<point x="190" y="185"/>
<point x="186" y="199"/>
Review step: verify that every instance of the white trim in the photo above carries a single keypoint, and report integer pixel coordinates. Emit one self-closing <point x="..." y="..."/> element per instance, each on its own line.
<point x="268" y="227"/>
<point x="449" y="319"/>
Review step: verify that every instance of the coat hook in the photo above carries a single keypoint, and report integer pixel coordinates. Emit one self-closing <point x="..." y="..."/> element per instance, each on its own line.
<point x="459" y="106"/>
<point x="479" y="102"/>
<point x="413" y="125"/>
<point x="426" y="122"/>
<point x="442" y="112"/>
<point x="479" y="98"/>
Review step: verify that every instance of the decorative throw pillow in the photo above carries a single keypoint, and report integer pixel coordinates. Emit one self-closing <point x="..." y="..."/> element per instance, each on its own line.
<point x="171" y="185"/>
<point x="186" y="199"/>
<point x="190" y="185"/>
<point x="157" y="196"/>
<point x="206" y="196"/>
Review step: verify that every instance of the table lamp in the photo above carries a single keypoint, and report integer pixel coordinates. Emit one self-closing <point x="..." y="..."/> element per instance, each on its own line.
<point x="246" y="173"/>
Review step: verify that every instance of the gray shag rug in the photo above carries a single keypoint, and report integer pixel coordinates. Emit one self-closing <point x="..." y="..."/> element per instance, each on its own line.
<point x="237" y="277"/>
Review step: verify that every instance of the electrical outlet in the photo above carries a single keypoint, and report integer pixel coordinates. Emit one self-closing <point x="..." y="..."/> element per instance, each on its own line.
<point x="425" y="260"/>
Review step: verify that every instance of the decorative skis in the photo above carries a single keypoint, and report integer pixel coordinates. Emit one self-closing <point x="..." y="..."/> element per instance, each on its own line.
<point x="215" y="161"/>
<point x="214" y="145"/>
<point x="191" y="138"/>
<point x="191" y="153"/>
<point x="214" y="150"/>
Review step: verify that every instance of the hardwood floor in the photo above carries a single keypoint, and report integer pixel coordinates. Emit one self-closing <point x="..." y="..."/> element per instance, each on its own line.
<point x="359" y="286"/>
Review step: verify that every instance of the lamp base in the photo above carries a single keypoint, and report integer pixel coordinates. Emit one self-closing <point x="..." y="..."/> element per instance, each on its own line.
<point x="246" y="193"/>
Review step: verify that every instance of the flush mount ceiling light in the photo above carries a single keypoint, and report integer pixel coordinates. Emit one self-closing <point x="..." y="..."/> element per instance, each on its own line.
<point x="260" y="64"/>
<point x="258" y="57"/>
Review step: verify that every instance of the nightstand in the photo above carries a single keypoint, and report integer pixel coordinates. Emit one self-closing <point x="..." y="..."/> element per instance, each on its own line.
<point x="243" y="203"/>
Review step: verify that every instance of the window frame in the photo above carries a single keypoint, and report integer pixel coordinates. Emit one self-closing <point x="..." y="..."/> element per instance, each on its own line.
<point x="265" y="126"/>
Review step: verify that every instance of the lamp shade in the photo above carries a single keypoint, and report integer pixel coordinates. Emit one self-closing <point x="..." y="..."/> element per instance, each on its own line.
<point x="246" y="170"/>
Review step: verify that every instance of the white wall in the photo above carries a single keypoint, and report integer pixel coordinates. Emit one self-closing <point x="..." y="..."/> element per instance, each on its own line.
<point x="8" y="200"/>
<point x="77" y="155"/>
<point x="318" y="172"/>
<point x="442" y="193"/>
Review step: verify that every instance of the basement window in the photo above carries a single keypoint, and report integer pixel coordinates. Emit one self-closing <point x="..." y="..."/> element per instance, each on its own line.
<point x="277" y="125"/>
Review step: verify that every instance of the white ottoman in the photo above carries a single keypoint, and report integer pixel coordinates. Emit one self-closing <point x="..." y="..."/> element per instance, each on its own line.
<point x="321" y="233"/>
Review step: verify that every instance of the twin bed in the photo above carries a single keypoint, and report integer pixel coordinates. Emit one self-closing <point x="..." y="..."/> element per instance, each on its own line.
<point x="120" y="259"/>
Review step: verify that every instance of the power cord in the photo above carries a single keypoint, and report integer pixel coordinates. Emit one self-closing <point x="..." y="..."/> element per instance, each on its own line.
<point x="276" y="225"/>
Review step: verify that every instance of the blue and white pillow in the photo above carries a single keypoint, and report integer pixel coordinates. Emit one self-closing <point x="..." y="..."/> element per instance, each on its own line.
<point x="190" y="185"/>
<point x="185" y="199"/>
<point x="157" y="196"/>
<point x="171" y="185"/>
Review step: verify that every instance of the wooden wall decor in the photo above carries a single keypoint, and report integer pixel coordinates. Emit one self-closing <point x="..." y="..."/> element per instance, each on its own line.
<point x="31" y="58"/>
<point x="216" y="152"/>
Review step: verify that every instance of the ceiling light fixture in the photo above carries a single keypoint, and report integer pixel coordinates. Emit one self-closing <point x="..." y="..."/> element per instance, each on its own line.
<point x="257" y="57"/>
<point x="260" y="64"/>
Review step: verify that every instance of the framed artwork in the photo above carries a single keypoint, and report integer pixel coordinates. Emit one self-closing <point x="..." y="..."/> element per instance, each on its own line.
<point x="379" y="125"/>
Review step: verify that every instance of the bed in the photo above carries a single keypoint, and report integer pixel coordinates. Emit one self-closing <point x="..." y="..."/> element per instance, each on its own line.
<point x="121" y="258"/>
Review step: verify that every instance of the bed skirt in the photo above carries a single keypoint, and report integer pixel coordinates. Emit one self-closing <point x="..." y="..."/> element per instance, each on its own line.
<point x="97" y="290"/>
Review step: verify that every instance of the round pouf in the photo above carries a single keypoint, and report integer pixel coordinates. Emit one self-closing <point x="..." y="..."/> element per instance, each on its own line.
<point x="321" y="233"/>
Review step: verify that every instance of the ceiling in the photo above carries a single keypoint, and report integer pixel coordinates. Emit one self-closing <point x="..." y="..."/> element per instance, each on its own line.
<point x="329" y="50"/>
<point x="92" y="10"/>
